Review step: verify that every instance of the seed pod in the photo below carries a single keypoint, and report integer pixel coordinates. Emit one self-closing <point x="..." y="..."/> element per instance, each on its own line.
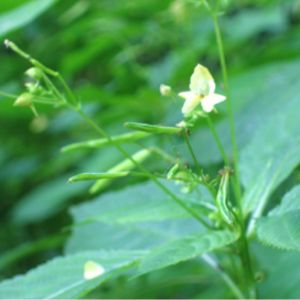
<point x="222" y="200"/>
<point x="153" y="128"/>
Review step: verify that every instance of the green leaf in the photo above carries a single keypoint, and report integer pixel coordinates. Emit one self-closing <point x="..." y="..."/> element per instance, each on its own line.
<point x="40" y="203"/>
<point x="279" y="272"/>
<point x="274" y="151"/>
<point x="281" y="227"/>
<point x="184" y="249"/>
<point x="62" y="277"/>
<point x="22" y="15"/>
<point x="141" y="203"/>
<point x="138" y="217"/>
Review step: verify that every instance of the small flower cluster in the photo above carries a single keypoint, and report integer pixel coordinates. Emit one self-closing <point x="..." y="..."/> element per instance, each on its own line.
<point x="201" y="91"/>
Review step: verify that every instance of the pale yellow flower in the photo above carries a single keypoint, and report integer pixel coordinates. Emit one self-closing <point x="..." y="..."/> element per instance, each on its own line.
<point x="202" y="91"/>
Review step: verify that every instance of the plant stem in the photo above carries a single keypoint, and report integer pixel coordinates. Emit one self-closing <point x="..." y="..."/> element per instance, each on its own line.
<point x="143" y="169"/>
<point x="218" y="140"/>
<point x="189" y="146"/>
<point x="244" y="255"/>
<point x="229" y="105"/>
<point x="227" y="279"/>
<point x="74" y="105"/>
<point x="210" y="188"/>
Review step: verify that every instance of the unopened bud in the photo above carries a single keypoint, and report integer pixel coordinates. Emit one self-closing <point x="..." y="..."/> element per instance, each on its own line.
<point x="34" y="73"/>
<point x="165" y="90"/>
<point x="24" y="99"/>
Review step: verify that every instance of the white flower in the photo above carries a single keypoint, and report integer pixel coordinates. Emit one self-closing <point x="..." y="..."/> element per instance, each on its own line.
<point x="202" y="91"/>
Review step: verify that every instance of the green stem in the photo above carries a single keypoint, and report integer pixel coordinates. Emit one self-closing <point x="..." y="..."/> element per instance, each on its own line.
<point x="143" y="169"/>
<point x="189" y="146"/>
<point x="74" y="105"/>
<point x="217" y="139"/>
<point x="210" y="188"/>
<point x="244" y="247"/>
<point x="229" y="105"/>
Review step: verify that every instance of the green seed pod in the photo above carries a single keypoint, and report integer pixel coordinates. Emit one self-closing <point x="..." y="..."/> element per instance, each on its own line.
<point x="172" y="172"/>
<point x="223" y="204"/>
<point x="120" y="169"/>
<point x="97" y="176"/>
<point x="99" y="143"/>
<point x="153" y="128"/>
<point x="24" y="100"/>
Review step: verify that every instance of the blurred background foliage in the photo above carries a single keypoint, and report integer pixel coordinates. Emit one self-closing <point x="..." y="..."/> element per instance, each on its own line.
<point x="115" y="54"/>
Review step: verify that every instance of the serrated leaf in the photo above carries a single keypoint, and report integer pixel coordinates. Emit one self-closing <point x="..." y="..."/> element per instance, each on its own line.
<point x="280" y="228"/>
<point x="141" y="203"/>
<point x="63" y="277"/>
<point x="184" y="249"/>
<point x="274" y="150"/>
<point x="138" y="217"/>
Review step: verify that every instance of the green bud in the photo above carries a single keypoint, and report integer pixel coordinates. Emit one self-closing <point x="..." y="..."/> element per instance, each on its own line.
<point x="24" y="99"/>
<point x="165" y="90"/>
<point x="34" y="88"/>
<point x="34" y="73"/>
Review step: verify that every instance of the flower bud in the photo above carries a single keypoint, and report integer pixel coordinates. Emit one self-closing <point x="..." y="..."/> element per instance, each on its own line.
<point x="165" y="90"/>
<point x="34" y="73"/>
<point x="24" y="99"/>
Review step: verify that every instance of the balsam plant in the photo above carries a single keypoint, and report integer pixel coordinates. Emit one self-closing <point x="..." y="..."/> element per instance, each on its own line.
<point x="224" y="218"/>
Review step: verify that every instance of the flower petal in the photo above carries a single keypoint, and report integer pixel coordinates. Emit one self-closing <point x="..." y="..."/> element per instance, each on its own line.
<point x="190" y="103"/>
<point x="202" y="82"/>
<point x="210" y="101"/>
<point x="187" y="95"/>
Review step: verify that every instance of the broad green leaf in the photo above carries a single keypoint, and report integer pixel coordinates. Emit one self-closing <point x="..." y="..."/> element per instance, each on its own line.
<point x="45" y="200"/>
<point x="141" y="203"/>
<point x="184" y="249"/>
<point x="137" y="236"/>
<point x="279" y="272"/>
<point x="63" y="277"/>
<point x="274" y="151"/>
<point x="281" y="227"/>
<point x="138" y="217"/>
<point x="22" y="15"/>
